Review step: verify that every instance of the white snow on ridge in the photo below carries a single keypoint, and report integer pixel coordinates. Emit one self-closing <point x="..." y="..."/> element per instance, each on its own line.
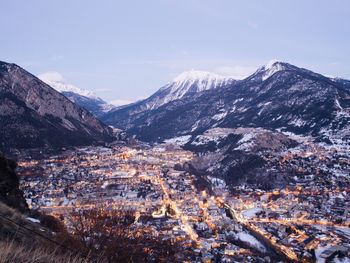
<point x="219" y="116"/>
<point x="338" y="104"/>
<point x="270" y="64"/>
<point x="246" y="142"/>
<point x="212" y="135"/>
<point x="217" y="134"/>
<point x="195" y="125"/>
<point x="56" y="81"/>
<point x="189" y="82"/>
<point x="195" y="81"/>
<point x="270" y="68"/>
<point x="107" y="107"/>
<point x="200" y="76"/>
<point x="246" y="137"/>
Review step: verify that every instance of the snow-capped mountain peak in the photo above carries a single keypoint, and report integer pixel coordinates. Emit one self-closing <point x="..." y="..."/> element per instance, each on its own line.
<point x="198" y="75"/>
<point x="273" y="63"/>
<point x="279" y="102"/>
<point x="271" y="68"/>
<point x="82" y="97"/>
<point x="203" y="79"/>
<point x="189" y="82"/>
<point x="64" y="87"/>
<point x="56" y="81"/>
<point x="195" y="81"/>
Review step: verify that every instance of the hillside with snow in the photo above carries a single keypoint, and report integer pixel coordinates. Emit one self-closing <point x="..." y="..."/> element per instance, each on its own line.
<point x="187" y="84"/>
<point x="83" y="97"/>
<point x="278" y="96"/>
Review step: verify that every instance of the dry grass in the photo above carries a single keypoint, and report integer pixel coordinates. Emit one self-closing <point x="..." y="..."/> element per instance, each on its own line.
<point x="13" y="252"/>
<point x="12" y="213"/>
<point x="23" y="241"/>
<point x="14" y="225"/>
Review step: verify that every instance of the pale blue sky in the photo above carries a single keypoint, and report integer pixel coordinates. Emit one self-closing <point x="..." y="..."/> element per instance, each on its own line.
<point x="128" y="49"/>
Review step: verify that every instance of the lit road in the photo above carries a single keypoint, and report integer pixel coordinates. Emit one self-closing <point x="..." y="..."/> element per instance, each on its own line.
<point x="280" y="249"/>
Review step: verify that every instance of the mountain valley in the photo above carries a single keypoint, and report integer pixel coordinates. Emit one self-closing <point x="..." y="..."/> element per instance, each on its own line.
<point x="209" y="168"/>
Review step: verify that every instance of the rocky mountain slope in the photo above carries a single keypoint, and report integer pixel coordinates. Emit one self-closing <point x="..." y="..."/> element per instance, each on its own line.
<point x="187" y="84"/>
<point x="97" y="106"/>
<point x="242" y="156"/>
<point x="82" y="97"/>
<point x="32" y="114"/>
<point x="278" y="96"/>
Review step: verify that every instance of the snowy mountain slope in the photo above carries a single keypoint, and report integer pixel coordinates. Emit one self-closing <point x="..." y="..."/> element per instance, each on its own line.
<point x="95" y="105"/>
<point x="190" y="82"/>
<point x="56" y="81"/>
<point x="242" y="155"/>
<point x="186" y="84"/>
<point x="84" y="98"/>
<point x="278" y="96"/>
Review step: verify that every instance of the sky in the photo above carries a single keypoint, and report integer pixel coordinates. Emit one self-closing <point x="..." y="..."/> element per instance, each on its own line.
<point x="126" y="50"/>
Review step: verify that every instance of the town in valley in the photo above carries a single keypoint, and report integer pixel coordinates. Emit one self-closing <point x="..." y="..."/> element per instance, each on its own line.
<point x="211" y="221"/>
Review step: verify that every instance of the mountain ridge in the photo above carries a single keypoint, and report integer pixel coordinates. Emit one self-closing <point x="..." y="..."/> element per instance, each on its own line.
<point x="186" y="84"/>
<point x="277" y="96"/>
<point x="83" y="97"/>
<point x="35" y="115"/>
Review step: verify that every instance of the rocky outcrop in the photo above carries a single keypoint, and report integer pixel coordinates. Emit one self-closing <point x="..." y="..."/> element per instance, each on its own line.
<point x="10" y="193"/>
<point x="242" y="156"/>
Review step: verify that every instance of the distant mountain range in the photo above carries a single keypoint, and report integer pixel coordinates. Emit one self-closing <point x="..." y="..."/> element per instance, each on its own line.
<point x="278" y="96"/>
<point x="32" y="114"/>
<point x="82" y="97"/>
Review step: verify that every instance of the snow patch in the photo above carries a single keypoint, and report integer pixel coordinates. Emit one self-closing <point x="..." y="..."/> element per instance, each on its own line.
<point x="213" y="135"/>
<point x="195" y="125"/>
<point x="31" y="219"/>
<point x="217" y="182"/>
<point x="270" y="68"/>
<point x="297" y="122"/>
<point x="246" y="142"/>
<point x="338" y="104"/>
<point x="219" y="116"/>
<point x="181" y="140"/>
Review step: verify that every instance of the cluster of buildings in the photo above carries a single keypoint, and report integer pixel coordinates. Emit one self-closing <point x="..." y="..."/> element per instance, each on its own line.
<point x="145" y="182"/>
<point x="310" y="216"/>
<point x="306" y="221"/>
